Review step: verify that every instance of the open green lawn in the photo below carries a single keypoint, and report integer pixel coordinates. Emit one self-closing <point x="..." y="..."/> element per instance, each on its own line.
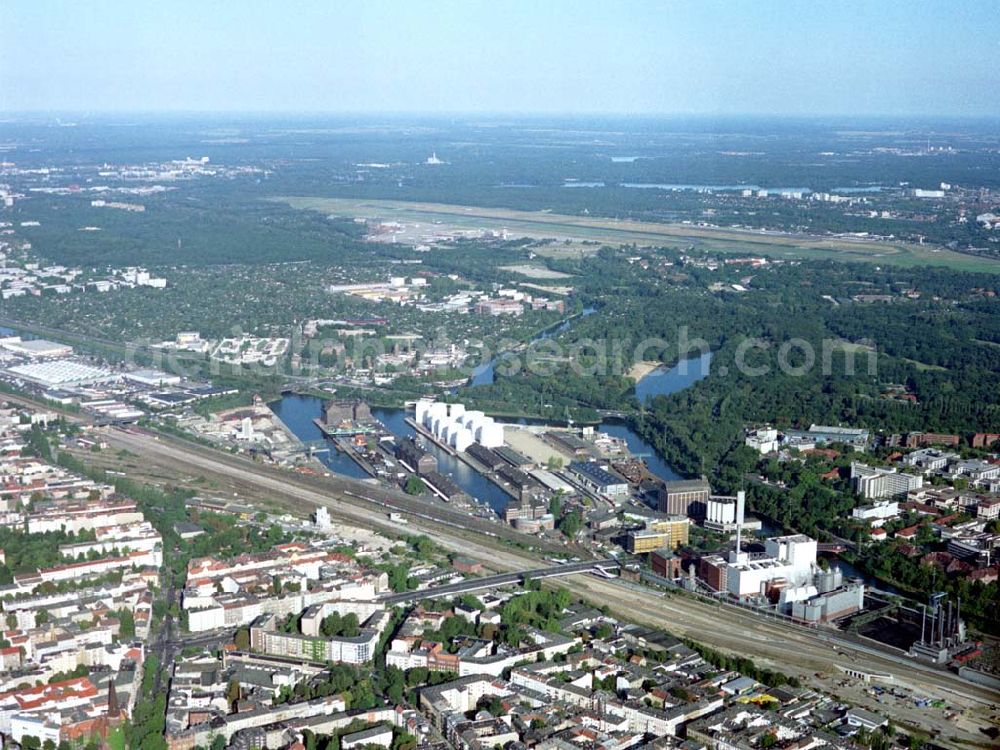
<point x="439" y="217"/>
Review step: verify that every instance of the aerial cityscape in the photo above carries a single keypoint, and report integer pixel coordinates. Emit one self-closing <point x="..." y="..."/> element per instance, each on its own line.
<point x="570" y="376"/>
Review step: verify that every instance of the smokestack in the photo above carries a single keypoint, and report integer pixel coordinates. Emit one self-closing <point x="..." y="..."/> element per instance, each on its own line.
<point x="923" y="624"/>
<point x="741" y="498"/>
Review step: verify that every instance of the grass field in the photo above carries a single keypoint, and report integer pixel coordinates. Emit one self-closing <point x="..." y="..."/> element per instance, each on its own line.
<point x="924" y="365"/>
<point x="536" y="272"/>
<point x="443" y="218"/>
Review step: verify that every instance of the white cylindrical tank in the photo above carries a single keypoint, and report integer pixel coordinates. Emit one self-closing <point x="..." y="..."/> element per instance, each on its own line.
<point x="461" y="439"/>
<point x="437" y="424"/>
<point x="450" y="429"/>
<point x="456" y="410"/>
<point x="490" y="435"/>
<point x="435" y="413"/>
<point x="471" y="417"/>
<point x="478" y="425"/>
<point x="421" y="409"/>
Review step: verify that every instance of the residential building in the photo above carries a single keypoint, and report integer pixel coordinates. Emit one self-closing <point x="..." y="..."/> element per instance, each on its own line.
<point x="929" y="459"/>
<point x="763" y="440"/>
<point x="876" y="513"/>
<point x="870" y="482"/>
<point x="919" y="439"/>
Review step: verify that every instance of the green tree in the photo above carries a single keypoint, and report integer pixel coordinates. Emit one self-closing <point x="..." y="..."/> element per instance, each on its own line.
<point x="571" y="523"/>
<point x="126" y="624"/>
<point x="414" y="485"/>
<point x="232" y="692"/>
<point x="242" y="639"/>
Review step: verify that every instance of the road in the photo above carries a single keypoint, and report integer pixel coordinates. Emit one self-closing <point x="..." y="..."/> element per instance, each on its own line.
<point x="164" y="644"/>
<point x="504" y="579"/>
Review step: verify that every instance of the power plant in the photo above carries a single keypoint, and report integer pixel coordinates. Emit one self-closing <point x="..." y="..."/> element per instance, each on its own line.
<point x="942" y="632"/>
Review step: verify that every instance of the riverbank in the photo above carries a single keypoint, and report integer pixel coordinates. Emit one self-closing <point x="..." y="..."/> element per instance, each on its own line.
<point x="300" y="412"/>
<point x="388" y="400"/>
<point x="641" y="369"/>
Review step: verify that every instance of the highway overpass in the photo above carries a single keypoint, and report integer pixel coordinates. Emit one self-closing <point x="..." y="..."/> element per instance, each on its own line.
<point x="504" y="579"/>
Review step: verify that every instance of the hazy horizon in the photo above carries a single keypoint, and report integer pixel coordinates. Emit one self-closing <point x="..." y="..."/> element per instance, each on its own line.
<point x="890" y="59"/>
<point x="9" y="114"/>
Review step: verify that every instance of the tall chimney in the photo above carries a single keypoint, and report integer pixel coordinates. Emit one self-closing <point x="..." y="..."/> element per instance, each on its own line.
<point x="741" y="498"/>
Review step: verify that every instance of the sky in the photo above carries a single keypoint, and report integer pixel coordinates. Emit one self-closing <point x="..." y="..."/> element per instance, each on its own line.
<point x="725" y="57"/>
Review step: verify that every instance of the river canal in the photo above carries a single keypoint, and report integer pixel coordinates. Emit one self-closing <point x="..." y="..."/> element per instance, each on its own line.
<point x="299" y="411"/>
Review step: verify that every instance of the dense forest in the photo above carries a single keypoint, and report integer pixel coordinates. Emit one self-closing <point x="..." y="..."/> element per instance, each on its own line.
<point x="937" y="341"/>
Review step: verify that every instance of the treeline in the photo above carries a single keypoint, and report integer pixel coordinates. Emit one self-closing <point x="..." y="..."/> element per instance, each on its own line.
<point x="743" y="665"/>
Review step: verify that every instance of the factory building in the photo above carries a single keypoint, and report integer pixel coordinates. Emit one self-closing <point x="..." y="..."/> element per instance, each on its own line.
<point x="713" y="569"/>
<point x="832" y="605"/>
<point x="155" y="378"/>
<point x="35" y="348"/>
<point x="523" y="485"/>
<point x="721" y="514"/>
<point x="61" y="373"/>
<point x="685" y="497"/>
<point x="415" y="457"/>
<point x="340" y="411"/>
<point x="789" y="558"/>
<point x="665" y="562"/>
<point x="599" y="480"/>
<point x="485" y="456"/>
<point x="669" y="533"/>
